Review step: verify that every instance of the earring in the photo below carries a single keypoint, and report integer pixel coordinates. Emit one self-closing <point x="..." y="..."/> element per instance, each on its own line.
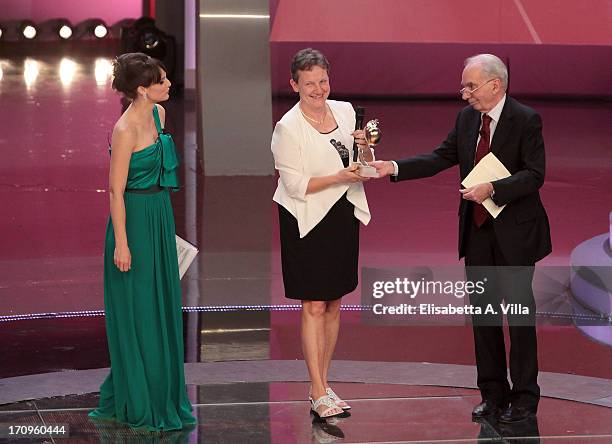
<point x="145" y="96"/>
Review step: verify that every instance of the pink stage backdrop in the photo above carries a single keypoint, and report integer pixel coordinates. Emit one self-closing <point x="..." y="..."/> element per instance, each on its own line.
<point x="110" y="11"/>
<point x="416" y="48"/>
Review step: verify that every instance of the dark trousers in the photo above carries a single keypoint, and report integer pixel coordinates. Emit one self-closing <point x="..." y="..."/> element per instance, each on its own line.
<point x="511" y="284"/>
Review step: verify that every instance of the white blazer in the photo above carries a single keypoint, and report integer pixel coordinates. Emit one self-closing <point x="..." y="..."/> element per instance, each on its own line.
<point x="301" y="152"/>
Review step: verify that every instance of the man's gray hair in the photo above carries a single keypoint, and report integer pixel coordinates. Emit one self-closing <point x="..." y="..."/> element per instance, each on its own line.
<point x="492" y="66"/>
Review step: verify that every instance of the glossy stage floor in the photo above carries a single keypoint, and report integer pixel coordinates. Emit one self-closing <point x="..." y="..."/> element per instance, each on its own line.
<point x="406" y="383"/>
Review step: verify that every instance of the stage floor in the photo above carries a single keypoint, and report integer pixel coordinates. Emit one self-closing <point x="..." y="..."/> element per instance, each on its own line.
<point x="276" y="412"/>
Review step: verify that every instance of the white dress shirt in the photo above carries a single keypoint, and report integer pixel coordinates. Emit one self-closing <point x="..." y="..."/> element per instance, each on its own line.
<point x="494" y="114"/>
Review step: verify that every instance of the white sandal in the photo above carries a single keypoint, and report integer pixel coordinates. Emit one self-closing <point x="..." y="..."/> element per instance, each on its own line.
<point x="331" y="410"/>
<point x="339" y="402"/>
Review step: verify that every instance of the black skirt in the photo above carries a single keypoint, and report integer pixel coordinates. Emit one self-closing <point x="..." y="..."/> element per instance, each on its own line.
<point x="322" y="266"/>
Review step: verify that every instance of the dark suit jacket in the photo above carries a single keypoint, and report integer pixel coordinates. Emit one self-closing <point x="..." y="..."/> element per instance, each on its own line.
<point x="522" y="228"/>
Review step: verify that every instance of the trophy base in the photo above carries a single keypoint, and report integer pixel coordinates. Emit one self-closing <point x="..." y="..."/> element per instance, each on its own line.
<point x="367" y="171"/>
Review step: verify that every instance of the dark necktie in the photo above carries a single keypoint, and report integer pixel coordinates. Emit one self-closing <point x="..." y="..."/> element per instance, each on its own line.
<point x="480" y="213"/>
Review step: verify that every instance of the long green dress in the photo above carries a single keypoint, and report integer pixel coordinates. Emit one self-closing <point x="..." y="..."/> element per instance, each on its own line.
<point x="146" y="385"/>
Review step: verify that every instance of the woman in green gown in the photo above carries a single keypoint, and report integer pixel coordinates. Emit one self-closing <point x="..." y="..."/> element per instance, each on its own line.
<point x="145" y="388"/>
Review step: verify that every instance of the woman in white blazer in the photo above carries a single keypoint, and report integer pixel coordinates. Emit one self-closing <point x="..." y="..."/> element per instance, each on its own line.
<point x="321" y="202"/>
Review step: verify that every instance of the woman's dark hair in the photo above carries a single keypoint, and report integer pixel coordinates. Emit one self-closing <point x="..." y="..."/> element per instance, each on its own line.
<point x="135" y="69"/>
<point x="305" y="60"/>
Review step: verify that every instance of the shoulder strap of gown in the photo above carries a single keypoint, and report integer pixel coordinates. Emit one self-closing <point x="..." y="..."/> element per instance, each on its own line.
<point x="168" y="173"/>
<point x="157" y="122"/>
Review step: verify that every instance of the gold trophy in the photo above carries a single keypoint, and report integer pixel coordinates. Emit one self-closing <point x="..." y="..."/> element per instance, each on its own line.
<point x="372" y="137"/>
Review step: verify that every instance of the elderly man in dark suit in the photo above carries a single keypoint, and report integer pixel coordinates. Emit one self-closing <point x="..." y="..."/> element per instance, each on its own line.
<point x="508" y="245"/>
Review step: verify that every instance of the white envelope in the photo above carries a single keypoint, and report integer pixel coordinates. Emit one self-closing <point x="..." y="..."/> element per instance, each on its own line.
<point x="186" y="253"/>
<point x="488" y="169"/>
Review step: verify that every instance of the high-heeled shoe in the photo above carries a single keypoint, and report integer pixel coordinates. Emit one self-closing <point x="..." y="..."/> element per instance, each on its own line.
<point x="331" y="408"/>
<point x="339" y="402"/>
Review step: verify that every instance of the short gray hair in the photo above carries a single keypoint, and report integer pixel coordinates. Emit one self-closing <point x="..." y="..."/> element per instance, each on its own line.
<point x="305" y="60"/>
<point x="491" y="66"/>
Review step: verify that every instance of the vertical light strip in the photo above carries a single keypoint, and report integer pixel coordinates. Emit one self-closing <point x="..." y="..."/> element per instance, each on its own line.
<point x="534" y="34"/>
<point x="190" y="155"/>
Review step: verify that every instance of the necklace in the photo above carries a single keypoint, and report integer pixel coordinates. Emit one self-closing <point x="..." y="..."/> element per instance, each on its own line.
<point x="318" y="122"/>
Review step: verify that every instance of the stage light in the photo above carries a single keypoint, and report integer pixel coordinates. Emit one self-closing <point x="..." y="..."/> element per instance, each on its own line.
<point x="30" y="71"/>
<point x="150" y="40"/>
<point x="9" y="30"/>
<point x="91" y="29"/>
<point x="144" y="36"/>
<point x="16" y="30"/>
<point x="100" y="31"/>
<point x="67" y="70"/>
<point x="55" y="29"/>
<point x="29" y="31"/>
<point x="65" y="32"/>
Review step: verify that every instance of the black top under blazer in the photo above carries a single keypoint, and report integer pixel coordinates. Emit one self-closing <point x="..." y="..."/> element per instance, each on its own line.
<point x="522" y="229"/>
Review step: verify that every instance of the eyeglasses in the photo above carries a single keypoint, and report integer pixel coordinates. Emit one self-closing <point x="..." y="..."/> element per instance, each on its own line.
<point x="467" y="90"/>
